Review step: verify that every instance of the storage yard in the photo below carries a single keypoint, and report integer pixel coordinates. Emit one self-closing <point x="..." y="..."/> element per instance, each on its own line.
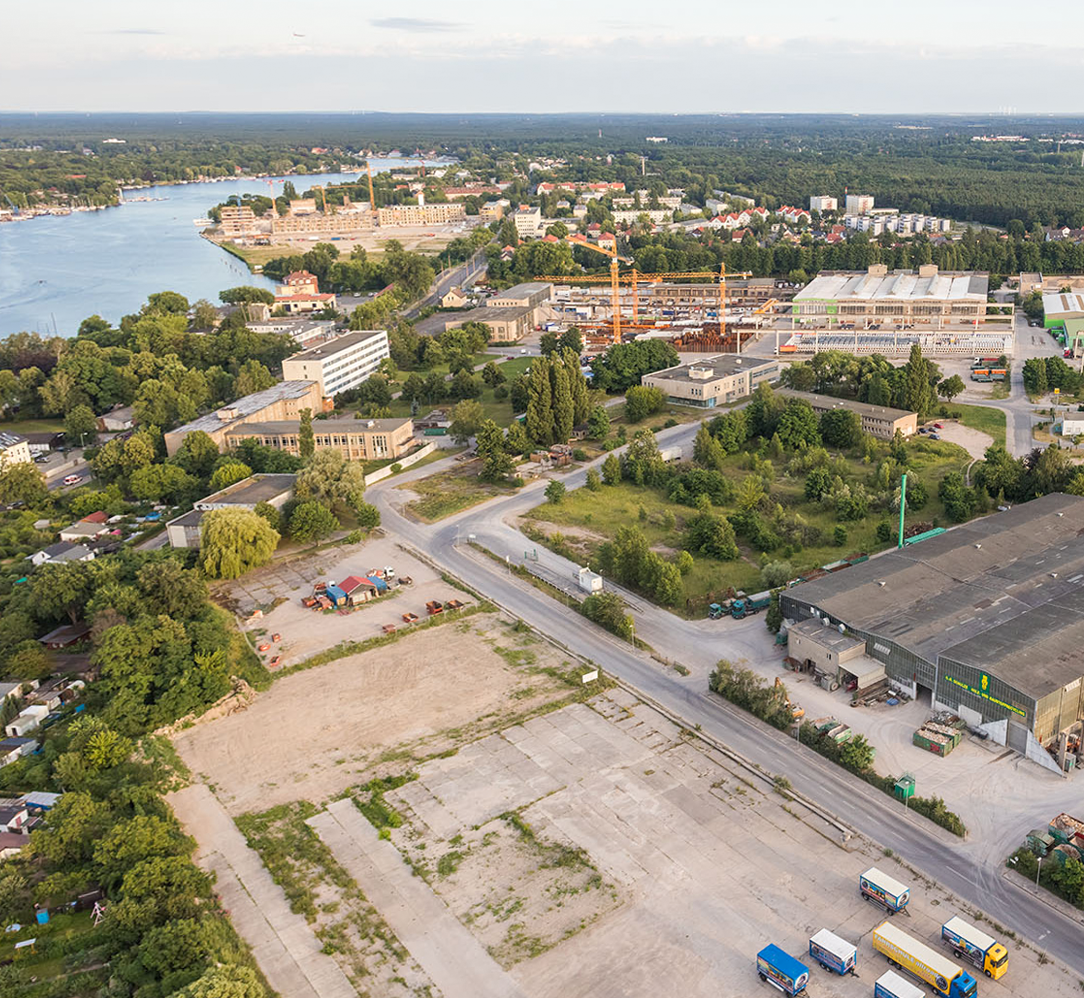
<point x="674" y="865"/>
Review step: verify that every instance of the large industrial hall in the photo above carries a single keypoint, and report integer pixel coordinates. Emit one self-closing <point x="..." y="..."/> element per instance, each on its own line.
<point x="985" y="620"/>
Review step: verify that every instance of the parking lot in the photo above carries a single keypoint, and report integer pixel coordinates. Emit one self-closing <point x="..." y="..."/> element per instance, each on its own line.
<point x="600" y="850"/>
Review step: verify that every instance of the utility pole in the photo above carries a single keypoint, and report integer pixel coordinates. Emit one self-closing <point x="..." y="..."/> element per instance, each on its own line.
<point x="903" y="505"/>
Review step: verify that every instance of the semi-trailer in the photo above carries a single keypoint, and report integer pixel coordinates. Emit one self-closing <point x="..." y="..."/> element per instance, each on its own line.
<point x="833" y="953"/>
<point x="781" y="970"/>
<point x="879" y="888"/>
<point x="922" y="962"/>
<point x="750" y="604"/>
<point x="985" y="952"/>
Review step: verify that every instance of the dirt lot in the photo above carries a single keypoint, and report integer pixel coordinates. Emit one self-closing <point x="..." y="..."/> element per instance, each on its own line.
<point x="596" y="850"/>
<point x="306" y="632"/>
<point x="319" y="731"/>
<point x="973" y="441"/>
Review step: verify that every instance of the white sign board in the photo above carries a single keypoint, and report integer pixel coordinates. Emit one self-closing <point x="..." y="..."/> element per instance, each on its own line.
<point x="590" y="677"/>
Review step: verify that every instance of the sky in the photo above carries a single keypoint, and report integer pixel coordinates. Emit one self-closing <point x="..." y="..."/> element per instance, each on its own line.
<point x="700" y="56"/>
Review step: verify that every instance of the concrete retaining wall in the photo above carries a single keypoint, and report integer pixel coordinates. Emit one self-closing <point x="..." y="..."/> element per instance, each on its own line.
<point x="381" y="473"/>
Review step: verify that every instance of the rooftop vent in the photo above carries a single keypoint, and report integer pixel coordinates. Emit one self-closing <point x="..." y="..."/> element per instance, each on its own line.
<point x="700" y="372"/>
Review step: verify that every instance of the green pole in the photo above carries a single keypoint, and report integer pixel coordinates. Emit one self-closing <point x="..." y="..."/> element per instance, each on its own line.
<point x="903" y="504"/>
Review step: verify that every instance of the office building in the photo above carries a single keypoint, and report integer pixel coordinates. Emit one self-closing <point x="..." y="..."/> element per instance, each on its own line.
<point x="528" y="221"/>
<point x="712" y="381"/>
<point x="341" y="363"/>
<point x="506" y="325"/>
<point x="282" y="401"/>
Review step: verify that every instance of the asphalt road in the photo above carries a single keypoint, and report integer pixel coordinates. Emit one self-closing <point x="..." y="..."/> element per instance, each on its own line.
<point x="465" y="273"/>
<point x="960" y="866"/>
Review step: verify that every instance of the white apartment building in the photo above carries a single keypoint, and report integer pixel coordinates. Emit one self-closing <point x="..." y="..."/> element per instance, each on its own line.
<point x="528" y="221"/>
<point x="13" y="450"/>
<point x="859" y="204"/>
<point x="657" y="215"/>
<point x="823" y="203"/>
<point x="339" y="364"/>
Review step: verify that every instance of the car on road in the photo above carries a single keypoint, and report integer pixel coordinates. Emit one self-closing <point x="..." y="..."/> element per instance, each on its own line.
<point x="73" y="479"/>
<point x="41" y="458"/>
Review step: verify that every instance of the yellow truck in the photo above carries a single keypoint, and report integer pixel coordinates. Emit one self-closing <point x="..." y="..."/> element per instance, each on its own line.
<point x="985" y="952"/>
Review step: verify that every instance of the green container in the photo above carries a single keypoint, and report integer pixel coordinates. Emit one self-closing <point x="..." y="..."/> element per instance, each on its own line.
<point x="905" y="787"/>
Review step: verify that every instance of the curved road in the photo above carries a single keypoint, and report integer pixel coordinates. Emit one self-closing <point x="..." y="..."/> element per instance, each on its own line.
<point x="969" y="869"/>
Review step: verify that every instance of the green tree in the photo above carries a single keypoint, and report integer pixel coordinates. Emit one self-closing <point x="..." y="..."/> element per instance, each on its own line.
<point x="162" y="483"/>
<point x="539" y="420"/>
<point x="918" y="393"/>
<point x="641" y="402"/>
<point x="611" y="470"/>
<point x="306" y="439"/>
<point x="841" y="428"/>
<point x="598" y="423"/>
<point x="797" y="425"/>
<point x="197" y="454"/>
<point x="818" y="483"/>
<point x="685" y="563"/>
<point x="492" y="375"/>
<point x="467" y="419"/>
<point x="950" y="387"/>
<point x="330" y="478"/>
<point x="516" y="441"/>
<point x="251" y="378"/>
<point x="234" y="541"/>
<point x="594" y="483"/>
<point x="227" y="474"/>
<point x="840" y="535"/>
<point x="773" y="619"/>
<point x="555" y="492"/>
<point x="464" y="386"/>
<point x="22" y="482"/>
<point x="707" y="451"/>
<point x="224" y="981"/>
<point x="607" y="610"/>
<point x="312" y="521"/>
<point x="564" y="411"/>
<point x="643" y="464"/>
<point x="367" y="515"/>
<point x="80" y="426"/>
<point x="497" y="463"/>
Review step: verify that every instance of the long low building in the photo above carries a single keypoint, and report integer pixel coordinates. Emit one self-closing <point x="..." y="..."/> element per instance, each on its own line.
<point x="924" y="297"/>
<point x="879" y="420"/>
<point x="506" y="325"/>
<point x="355" y="439"/>
<point x="712" y="381"/>
<point x="985" y="620"/>
<point x="282" y="401"/>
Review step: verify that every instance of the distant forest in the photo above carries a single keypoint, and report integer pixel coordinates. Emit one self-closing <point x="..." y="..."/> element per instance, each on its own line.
<point x="914" y="164"/>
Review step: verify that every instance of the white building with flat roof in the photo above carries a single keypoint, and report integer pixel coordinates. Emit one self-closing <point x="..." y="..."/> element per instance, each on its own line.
<point x="341" y="363"/>
<point x="528" y="221"/>
<point x="823" y="203"/>
<point x="859" y="204"/>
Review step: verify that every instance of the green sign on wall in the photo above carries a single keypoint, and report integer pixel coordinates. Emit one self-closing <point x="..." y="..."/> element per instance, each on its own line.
<point x="984" y="693"/>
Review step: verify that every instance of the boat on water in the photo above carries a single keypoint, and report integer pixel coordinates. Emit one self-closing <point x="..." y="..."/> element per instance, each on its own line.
<point x="202" y="221"/>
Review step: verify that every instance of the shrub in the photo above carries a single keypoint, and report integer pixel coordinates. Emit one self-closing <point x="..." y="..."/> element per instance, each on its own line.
<point x="749" y="691"/>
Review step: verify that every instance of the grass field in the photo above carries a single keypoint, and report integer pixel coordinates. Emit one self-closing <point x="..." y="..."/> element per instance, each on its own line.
<point x="577" y="526"/>
<point x="449" y="492"/>
<point x="24" y="426"/>
<point x="983" y="418"/>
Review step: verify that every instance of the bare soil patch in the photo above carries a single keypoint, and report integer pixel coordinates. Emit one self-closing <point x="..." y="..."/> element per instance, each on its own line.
<point x="317" y="732"/>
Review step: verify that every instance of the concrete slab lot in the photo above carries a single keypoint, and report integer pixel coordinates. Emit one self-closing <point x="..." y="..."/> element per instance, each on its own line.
<point x="600" y="850"/>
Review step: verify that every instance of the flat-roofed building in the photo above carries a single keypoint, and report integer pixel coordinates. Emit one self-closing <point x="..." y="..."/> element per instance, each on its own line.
<point x="282" y="401"/>
<point x="823" y="203"/>
<point x="355" y="439"/>
<point x="236" y="220"/>
<point x="528" y="221"/>
<point x="925" y="297"/>
<point x="528" y="295"/>
<point x="422" y="214"/>
<point x="879" y="420"/>
<point x="341" y="363"/>
<point x="357" y="218"/>
<point x="858" y="204"/>
<point x="506" y="325"/>
<point x="184" y="530"/>
<point x="712" y="381"/>
<point x="1058" y="307"/>
<point x="985" y="620"/>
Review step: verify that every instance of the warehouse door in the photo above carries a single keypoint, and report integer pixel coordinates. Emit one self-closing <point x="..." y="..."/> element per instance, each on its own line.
<point x="1017" y="736"/>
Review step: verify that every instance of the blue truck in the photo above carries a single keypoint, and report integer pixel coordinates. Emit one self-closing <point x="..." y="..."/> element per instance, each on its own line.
<point x="782" y="971"/>
<point x="833" y="953"/>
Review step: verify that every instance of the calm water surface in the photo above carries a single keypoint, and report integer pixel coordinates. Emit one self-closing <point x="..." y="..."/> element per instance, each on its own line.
<point x="55" y="271"/>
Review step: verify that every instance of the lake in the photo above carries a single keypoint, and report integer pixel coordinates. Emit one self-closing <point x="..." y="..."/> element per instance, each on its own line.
<point x="57" y="270"/>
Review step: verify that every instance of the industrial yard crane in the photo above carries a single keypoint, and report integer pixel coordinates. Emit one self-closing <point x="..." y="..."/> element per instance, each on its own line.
<point x="615" y="280"/>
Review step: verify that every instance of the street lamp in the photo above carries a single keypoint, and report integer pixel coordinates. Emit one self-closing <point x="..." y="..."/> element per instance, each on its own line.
<point x="1038" y="869"/>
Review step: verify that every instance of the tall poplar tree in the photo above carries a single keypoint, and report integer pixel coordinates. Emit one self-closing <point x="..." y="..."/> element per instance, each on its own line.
<point x="539" y="421"/>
